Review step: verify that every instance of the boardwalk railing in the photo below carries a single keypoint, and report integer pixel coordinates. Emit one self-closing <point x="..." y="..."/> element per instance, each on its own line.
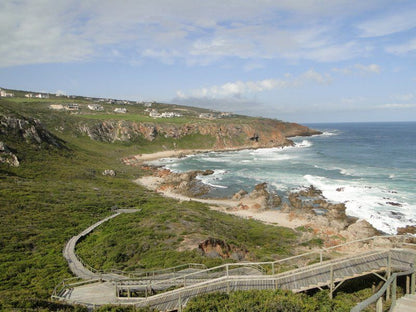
<point x="153" y="273"/>
<point x="192" y="281"/>
<point x="378" y="296"/>
<point x="326" y="274"/>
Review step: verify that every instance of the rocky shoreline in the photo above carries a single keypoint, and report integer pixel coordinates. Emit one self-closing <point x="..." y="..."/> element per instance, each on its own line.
<point x="306" y="211"/>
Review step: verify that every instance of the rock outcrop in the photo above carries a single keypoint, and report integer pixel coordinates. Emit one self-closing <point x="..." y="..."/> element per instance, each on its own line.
<point x="22" y="129"/>
<point x="217" y="248"/>
<point x="257" y="200"/>
<point x="8" y="157"/>
<point x="183" y="183"/>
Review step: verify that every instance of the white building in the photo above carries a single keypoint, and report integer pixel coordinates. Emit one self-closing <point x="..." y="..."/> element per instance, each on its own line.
<point x="42" y="96"/>
<point x="72" y="107"/>
<point x="121" y="110"/>
<point x="170" y="115"/>
<point x="154" y="113"/>
<point x="29" y="95"/>
<point x="96" y="107"/>
<point x="5" y="94"/>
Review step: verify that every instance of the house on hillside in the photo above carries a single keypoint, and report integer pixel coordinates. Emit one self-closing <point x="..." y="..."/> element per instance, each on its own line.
<point x="3" y="93"/>
<point x="121" y="110"/>
<point x="154" y="113"/>
<point x="42" y="96"/>
<point x="72" y="107"/>
<point x="207" y="116"/>
<point x="96" y="107"/>
<point x="29" y="95"/>
<point x="170" y="115"/>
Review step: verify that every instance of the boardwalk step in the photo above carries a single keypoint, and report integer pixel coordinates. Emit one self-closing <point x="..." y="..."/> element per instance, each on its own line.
<point x="406" y="304"/>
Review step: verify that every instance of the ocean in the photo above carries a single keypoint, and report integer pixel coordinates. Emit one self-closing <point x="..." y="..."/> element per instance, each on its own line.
<point x="371" y="167"/>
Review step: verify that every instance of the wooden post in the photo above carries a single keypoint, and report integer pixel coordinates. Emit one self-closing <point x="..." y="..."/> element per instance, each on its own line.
<point x="226" y="267"/>
<point x="272" y="268"/>
<point x="413" y="283"/>
<point x="407" y="284"/>
<point x="331" y="285"/>
<point x="180" y="303"/>
<point x="388" y="275"/>
<point x="379" y="305"/>
<point x="320" y="257"/>
<point x="393" y="292"/>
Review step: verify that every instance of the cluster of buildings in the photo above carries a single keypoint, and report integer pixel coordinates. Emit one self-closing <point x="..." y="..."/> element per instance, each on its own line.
<point x="39" y="95"/>
<point x="93" y="107"/>
<point x="155" y="114"/>
<point x="4" y="93"/>
<point x="215" y="115"/>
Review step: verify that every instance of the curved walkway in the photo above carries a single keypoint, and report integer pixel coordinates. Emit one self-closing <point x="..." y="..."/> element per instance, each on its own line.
<point x="396" y="256"/>
<point x="75" y="264"/>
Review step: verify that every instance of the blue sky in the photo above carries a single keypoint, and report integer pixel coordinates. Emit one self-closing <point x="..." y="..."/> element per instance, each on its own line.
<point x="295" y="60"/>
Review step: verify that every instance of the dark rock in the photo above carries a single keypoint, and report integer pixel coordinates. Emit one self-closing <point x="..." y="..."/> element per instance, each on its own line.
<point x="394" y="204"/>
<point x="215" y="248"/>
<point x="409" y="229"/>
<point x="28" y="130"/>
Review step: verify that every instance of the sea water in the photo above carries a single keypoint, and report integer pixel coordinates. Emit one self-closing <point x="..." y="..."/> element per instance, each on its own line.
<point x="371" y="167"/>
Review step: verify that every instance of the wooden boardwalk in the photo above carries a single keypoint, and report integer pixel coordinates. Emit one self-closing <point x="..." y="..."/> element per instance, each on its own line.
<point x="330" y="274"/>
<point x="170" y="289"/>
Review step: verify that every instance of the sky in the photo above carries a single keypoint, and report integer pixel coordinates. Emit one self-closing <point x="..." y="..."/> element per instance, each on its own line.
<point x="295" y="60"/>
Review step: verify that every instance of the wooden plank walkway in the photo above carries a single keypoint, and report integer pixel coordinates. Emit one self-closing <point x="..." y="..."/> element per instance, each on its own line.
<point x="318" y="275"/>
<point x="406" y="304"/>
<point x="97" y="288"/>
<point x="326" y="274"/>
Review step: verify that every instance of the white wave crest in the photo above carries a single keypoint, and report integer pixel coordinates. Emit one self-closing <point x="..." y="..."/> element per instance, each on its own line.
<point x="330" y="133"/>
<point x="371" y="203"/>
<point x="304" y="143"/>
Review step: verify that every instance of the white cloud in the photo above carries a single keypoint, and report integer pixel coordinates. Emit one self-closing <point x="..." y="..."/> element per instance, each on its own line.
<point x="196" y="32"/>
<point x="397" y="106"/>
<point x="359" y="68"/>
<point x="388" y="24"/>
<point x="240" y="88"/>
<point x="372" y="68"/>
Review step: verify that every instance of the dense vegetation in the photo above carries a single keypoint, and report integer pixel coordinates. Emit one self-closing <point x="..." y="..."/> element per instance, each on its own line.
<point x="56" y="193"/>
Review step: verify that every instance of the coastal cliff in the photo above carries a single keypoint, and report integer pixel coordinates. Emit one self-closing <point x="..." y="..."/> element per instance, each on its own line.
<point x="253" y="133"/>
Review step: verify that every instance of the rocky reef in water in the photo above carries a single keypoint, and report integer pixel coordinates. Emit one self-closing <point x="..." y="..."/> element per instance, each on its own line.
<point x="324" y="219"/>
